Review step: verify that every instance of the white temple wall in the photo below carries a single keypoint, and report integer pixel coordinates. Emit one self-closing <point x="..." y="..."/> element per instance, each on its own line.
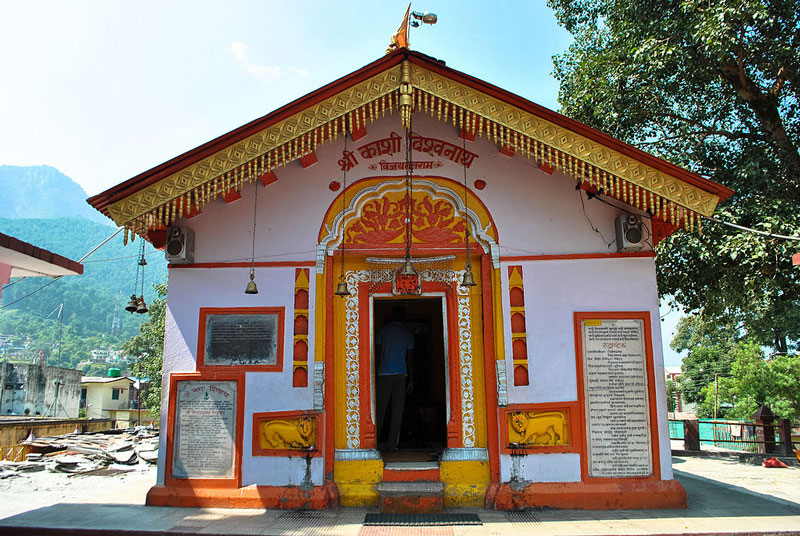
<point x="556" y="467"/>
<point x="193" y="288"/>
<point x="554" y="290"/>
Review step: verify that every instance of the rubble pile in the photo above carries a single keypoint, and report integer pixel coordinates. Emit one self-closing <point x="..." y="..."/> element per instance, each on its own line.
<point x="99" y="453"/>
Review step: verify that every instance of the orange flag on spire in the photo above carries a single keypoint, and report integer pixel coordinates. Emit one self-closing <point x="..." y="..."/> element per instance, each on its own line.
<point x="400" y="37"/>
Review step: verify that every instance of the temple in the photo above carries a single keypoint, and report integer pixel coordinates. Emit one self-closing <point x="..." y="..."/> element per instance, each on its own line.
<point x="520" y="244"/>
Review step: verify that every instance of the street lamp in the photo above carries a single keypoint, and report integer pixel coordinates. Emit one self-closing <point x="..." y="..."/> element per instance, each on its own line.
<point x="426" y="18"/>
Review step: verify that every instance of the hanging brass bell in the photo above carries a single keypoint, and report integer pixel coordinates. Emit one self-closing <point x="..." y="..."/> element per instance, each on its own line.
<point x="142" y="261"/>
<point x="408" y="268"/>
<point x="133" y="304"/>
<point x="142" y="307"/>
<point x="341" y="289"/>
<point x="468" y="280"/>
<point x="251" y="286"/>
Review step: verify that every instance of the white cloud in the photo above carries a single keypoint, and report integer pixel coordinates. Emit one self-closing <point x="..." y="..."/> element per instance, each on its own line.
<point x="263" y="72"/>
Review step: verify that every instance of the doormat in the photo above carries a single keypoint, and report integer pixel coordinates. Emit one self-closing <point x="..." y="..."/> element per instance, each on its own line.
<point x="420" y="520"/>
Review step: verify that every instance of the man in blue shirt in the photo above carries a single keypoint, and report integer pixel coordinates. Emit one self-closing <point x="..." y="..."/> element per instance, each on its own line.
<point x="393" y="347"/>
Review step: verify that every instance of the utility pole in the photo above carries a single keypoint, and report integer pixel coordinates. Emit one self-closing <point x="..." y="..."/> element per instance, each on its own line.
<point x="139" y="401"/>
<point x="716" y="393"/>
<point x="115" y="322"/>
<point x="60" y="317"/>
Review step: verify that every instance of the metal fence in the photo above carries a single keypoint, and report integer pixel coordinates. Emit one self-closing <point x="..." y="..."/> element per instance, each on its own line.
<point x="733" y="435"/>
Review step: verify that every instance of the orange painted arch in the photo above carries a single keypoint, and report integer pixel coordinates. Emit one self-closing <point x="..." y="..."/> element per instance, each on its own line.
<point x="376" y="184"/>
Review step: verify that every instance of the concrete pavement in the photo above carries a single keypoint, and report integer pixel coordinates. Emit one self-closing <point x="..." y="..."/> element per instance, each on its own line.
<point x="744" y="503"/>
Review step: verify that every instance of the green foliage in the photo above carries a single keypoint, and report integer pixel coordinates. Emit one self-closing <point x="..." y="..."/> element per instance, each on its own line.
<point x="711" y="351"/>
<point x="671" y="390"/>
<point x="755" y="381"/>
<point x="89" y="300"/>
<point x="714" y="87"/>
<point x="148" y="347"/>
<point x="101" y="369"/>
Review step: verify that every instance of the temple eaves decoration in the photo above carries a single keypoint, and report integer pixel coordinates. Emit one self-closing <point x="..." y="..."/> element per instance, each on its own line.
<point x="474" y="112"/>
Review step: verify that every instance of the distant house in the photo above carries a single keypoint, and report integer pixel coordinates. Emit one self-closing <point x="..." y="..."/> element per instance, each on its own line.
<point x="100" y="355"/>
<point x="113" y="398"/>
<point x="27" y="389"/>
<point x="672" y="374"/>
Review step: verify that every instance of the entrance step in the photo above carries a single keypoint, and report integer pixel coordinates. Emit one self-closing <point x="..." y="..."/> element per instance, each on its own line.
<point x="411" y="497"/>
<point x="411" y="472"/>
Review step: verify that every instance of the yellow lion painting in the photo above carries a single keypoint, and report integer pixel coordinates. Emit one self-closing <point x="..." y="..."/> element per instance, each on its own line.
<point x="288" y="435"/>
<point x="530" y="428"/>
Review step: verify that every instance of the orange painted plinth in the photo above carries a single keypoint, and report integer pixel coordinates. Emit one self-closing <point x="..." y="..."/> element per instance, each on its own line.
<point x="411" y="475"/>
<point x="412" y="505"/>
<point x="287" y="497"/>
<point x="627" y="495"/>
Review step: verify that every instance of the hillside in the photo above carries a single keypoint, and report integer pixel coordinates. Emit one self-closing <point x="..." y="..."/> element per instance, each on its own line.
<point x="110" y="270"/>
<point x="89" y="300"/>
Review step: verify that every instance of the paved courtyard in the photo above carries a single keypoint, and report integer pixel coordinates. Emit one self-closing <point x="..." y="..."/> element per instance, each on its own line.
<point x="725" y="497"/>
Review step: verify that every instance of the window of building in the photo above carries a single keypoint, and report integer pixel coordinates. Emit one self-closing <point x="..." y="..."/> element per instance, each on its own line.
<point x="115" y="394"/>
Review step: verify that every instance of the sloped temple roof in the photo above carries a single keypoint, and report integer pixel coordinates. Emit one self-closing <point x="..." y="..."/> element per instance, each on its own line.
<point x="400" y="81"/>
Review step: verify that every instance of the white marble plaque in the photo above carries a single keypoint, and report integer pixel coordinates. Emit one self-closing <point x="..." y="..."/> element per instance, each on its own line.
<point x="205" y="429"/>
<point x="615" y="393"/>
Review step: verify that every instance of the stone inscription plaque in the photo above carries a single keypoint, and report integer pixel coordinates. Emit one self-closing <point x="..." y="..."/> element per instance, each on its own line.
<point x="205" y="429"/>
<point x="241" y="339"/>
<point x="615" y="392"/>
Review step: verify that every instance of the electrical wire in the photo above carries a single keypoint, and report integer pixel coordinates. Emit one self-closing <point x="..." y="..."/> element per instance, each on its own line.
<point x="756" y="231"/>
<point x="591" y="225"/>
<point x="32" y="293"/>
<point x="122" y="258"/>
<point x="710" y="218"/>
<point x="23" y="278"/>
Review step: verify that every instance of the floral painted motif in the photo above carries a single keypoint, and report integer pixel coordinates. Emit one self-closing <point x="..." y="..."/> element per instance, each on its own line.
<point x="383" y="221"/>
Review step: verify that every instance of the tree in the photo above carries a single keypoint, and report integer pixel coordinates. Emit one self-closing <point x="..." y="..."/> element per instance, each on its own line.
<point x="710" y="351"/>
<point x="148" y="347"/>
<point x="755" y="381"/>
<point x="671" y="390"/>
<point x="714" y="87"/>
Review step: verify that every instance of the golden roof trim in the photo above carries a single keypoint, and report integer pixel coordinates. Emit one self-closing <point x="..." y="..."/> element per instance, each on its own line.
<point x="566" y="141"/>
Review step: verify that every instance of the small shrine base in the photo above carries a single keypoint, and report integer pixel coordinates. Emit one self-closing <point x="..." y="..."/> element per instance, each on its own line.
<point x="285" y="497"/>
<point x="635" y="495"/>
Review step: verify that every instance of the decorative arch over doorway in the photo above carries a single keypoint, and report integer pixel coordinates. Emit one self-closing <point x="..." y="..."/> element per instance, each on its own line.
<point x="374" y="218"/>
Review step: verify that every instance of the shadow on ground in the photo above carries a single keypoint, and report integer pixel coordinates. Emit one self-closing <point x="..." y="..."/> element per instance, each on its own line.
<point x="713" y="509"/>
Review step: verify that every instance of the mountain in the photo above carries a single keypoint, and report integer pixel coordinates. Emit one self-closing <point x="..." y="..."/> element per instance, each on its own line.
<point x="43" y="192"/>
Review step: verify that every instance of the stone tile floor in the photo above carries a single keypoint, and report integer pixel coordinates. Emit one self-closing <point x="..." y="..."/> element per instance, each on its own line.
<point x="740" y="499"/>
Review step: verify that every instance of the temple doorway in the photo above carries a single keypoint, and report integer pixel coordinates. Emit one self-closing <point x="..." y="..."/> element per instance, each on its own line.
<point x="423" y="434"/>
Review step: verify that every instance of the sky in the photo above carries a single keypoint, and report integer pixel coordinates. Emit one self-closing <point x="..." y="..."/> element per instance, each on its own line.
<point x="106" y="89"/>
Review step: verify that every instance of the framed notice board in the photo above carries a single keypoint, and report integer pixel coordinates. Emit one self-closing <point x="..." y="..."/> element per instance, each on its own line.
<point x="245" y="338"/>
<point x="616" y="391"/>
<point x="204" y="432"/>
